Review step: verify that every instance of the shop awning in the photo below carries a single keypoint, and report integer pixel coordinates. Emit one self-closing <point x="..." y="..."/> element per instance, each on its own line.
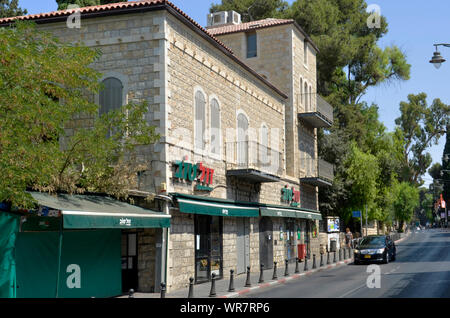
<point x="290" y="213"/>
<point x="99" y="212"/>
<point x="216" y="207"/>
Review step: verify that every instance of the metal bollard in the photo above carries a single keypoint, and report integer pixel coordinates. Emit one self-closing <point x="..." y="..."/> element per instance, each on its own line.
<point x="163" y="290"/>
<point x="328" y="258"/>
<point x="212" y="293"/>
<point x="321" y="260"/>
<point x="191" y="288"/>
<point x="286" y="270"/>
<point x="274" y="271"/>
<point x="261" y="274"/>
<point x="340" y="255"/>
<point x="314" y="262"/>
<point x="231" y="287"/>
<point x="296" y="266"/>
<point x="306" y="264"/>
<point x="345" y="253"/>
<point x="131" y="293"/>
<point x="334" y="257"/>
<point x="248" y="283"/>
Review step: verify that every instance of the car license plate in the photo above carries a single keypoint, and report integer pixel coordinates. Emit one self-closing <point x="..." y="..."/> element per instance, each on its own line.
<point x="366" y="256"/>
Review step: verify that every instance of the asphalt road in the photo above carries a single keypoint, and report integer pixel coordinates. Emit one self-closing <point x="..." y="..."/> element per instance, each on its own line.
<point x="422" y="270"/>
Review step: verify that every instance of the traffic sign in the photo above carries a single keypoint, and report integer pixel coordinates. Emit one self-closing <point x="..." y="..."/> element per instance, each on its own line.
<point x="356" y="214"/>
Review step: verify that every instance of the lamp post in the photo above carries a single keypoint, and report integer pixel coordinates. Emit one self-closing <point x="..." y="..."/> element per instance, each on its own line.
<point x="437" y="59"/>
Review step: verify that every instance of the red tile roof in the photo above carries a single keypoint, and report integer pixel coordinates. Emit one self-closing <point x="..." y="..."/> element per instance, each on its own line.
<point x="219" y="30"/>
<point x="107" y="8"/>
<point x="130" y="6"/>
<point x="254" y="25"/>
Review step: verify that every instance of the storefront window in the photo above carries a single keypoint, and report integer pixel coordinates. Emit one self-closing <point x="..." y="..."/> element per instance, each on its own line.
<point x="208" y="247"/>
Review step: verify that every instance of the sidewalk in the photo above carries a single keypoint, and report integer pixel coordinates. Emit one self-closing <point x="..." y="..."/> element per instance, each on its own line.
<point x="222" y="285"/>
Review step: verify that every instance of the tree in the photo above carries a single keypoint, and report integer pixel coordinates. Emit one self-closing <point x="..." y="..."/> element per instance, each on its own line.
<point x="63" y="4"/>
<point x="422" y="126"/>
<point x="252" y="10"/>
<point x="435" y="171"/>
<point x="406" y="201"/>
<point x="349" y="60"/>
<point x="10" y="8"/>
<point x="363" y="171"/>
<point x="44" y="86"/>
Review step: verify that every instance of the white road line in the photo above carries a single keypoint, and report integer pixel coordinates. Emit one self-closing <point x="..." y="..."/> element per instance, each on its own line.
<point x="352" y="291"/>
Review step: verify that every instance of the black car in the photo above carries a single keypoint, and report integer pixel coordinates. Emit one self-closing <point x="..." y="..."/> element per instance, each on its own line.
<point x="375" y="248"/>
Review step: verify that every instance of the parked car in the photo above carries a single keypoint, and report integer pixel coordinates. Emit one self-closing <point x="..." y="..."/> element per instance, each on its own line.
<point x="375" y="248"/>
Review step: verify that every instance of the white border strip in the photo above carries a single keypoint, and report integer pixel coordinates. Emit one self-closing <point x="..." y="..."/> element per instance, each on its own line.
<point x="163" y="216"/>
<point x="225" y="205"/>
<point x="289" y="210"/>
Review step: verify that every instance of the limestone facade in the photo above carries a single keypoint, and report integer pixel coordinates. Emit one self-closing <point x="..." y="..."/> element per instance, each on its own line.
<point x="159" y="58"/>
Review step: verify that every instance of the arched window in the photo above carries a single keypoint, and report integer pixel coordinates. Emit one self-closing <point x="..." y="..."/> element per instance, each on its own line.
<point x="200" y="125"/>
<point x="111" y="96"/>
<point x="305" y="94"/>
<point x="264" y="146"/>
<point x="215" y="127"/>
<point x="310" y="98"/>
<point x="301" y="90"/>
<point x="242" y="140"/>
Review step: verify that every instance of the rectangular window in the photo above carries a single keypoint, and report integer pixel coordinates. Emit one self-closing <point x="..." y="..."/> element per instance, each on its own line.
<point x="305" y="53"/>
<point x="251" y="45"/>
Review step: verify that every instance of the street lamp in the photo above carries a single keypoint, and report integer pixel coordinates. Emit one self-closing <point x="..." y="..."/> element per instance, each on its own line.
<point x="437" y="59"/>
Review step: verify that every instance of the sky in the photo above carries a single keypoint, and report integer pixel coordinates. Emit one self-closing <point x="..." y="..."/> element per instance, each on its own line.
<point x="414" y="26"/>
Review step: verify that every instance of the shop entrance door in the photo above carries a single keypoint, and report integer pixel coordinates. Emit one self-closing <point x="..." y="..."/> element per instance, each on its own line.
<point x="243" y="245"/>
<point x="129" y="262"/>
<point x="266" y="242"/>
<point x="208" y="247"/>
<point x="290" y="240"/>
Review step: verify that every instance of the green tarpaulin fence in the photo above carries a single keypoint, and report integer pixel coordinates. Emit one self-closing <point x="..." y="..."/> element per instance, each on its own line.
<point x="90" y="264"/>
<point x="9" y="227"/>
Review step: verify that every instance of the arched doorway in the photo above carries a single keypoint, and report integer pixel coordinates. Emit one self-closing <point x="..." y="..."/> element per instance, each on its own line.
<point x="266" y="242"/>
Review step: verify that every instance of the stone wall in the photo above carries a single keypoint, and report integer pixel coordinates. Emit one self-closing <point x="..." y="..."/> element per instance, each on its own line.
<point x="146" y="260"/>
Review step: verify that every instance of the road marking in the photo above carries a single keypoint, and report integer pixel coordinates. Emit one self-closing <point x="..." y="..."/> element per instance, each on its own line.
<point x="352" y="291"/>
<point x="393" y="270"/>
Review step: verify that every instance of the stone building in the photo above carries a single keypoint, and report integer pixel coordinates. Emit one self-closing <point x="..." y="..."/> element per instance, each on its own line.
<point x="236" y="166"/>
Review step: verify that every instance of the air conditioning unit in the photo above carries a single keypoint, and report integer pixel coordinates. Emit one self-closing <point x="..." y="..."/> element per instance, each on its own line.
<point x="223" y="18"/>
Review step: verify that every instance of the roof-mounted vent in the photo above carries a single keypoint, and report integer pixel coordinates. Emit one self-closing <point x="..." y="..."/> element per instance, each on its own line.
<point x="223" y="18"/>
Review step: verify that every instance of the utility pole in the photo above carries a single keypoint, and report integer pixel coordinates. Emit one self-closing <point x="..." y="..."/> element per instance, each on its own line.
<point x="366" y="218"/>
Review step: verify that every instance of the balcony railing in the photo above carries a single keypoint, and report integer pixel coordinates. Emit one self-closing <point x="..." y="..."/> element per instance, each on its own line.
<point x="250" y="159"/>
<point x="321" y="116"/>
<point x="318" y="172"/>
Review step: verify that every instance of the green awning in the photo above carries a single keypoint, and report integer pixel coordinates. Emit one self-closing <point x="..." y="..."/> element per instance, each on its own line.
<point x="216" y="207"/>
<point x="99" y="212"/>
<point x="290" y="213"/>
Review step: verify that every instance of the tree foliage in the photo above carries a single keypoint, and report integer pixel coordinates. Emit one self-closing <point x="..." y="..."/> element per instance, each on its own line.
<point x="63" y="4"/>
<point x="252" y="10"/>
<point x="406" y="201"/>
<point x="422" y="126"/>
<point x="45" y="86"/>
<point x="10" y="8"/>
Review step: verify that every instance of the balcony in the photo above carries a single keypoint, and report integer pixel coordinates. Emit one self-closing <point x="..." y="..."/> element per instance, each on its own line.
<point x="322" y="117"/>
<point x="253" y="162"/>
<point x="318" y="174"/>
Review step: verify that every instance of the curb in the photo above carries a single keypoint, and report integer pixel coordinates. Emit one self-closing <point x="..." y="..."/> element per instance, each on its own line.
<point x="402" y="239"/>
<point x="284" y="280"/>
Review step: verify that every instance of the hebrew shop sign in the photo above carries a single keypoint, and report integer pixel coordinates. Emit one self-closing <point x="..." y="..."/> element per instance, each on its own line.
<point x="195" y="172"/>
